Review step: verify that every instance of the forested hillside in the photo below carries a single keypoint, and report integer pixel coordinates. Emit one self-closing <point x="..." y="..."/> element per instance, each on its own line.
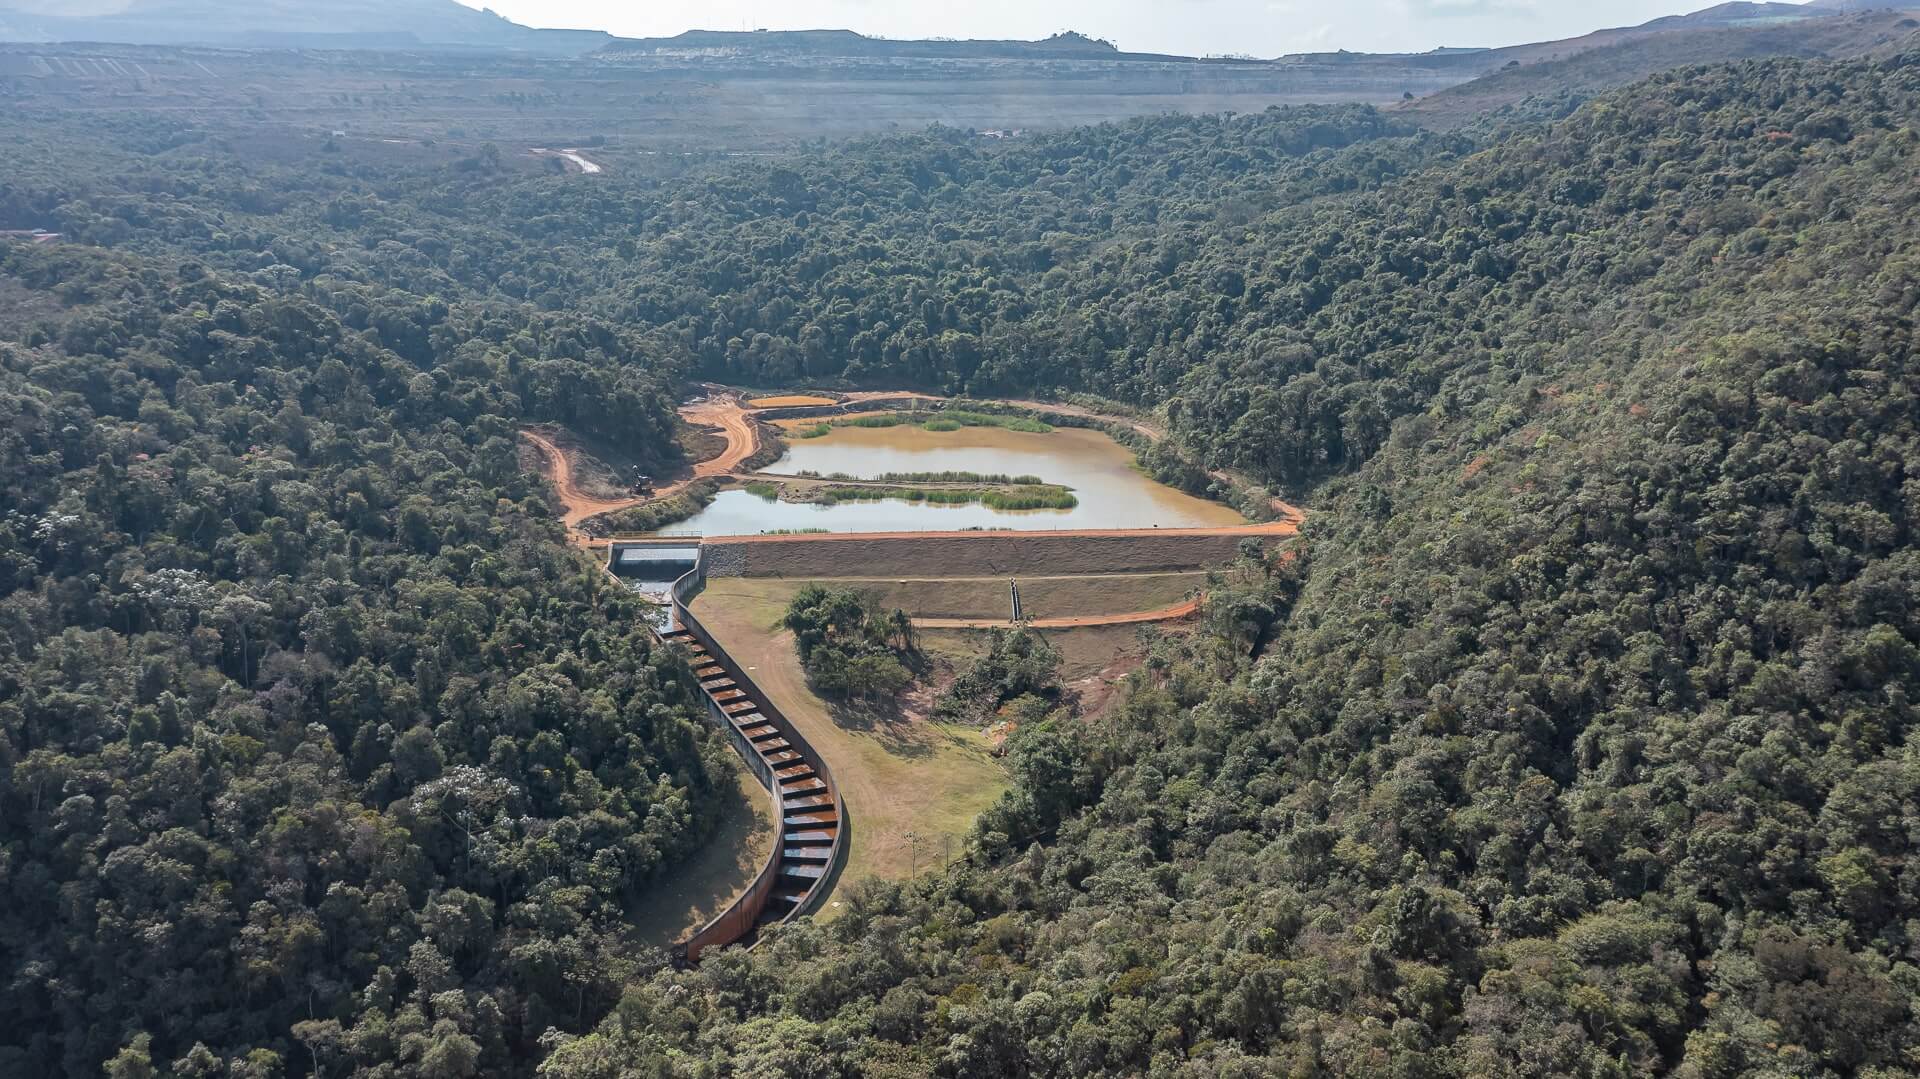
<point x="1584" y="748"/>
<point x="1575" y="740"/>
<point x="307" y="719"/>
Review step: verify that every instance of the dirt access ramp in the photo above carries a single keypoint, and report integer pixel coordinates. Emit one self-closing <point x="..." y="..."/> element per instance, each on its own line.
<point x="577" y="505"/>
<point x="731" y="417"/>
<point x="970" y="554"/>
<point x="723" y="412"/>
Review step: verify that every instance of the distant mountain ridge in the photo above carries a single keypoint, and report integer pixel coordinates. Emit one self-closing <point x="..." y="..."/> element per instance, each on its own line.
<point x="347" y="24"/>
<point x="290" y="24"/>
<point x="787" y="45"/>
<point x="841" y="44"/>
<point x="1727" y="30"/>
<point x="1622" y="59"/>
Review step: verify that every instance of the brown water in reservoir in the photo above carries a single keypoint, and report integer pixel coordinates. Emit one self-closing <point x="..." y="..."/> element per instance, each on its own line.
<point x="1112" y="493"/>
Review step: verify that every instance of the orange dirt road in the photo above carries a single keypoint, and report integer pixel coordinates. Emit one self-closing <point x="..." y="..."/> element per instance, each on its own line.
<point x="790" y="400"/>
<point x="725" y="413"/>
<point x="858" y="396"/>
<point x="579" y="504"/>
<point x="743" y="438"/>
<point x="1162" y="614"/>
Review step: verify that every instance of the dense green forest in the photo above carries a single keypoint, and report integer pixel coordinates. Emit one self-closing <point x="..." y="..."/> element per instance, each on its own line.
<point x="315" y="743"/>
<point x="1573" y="740"/>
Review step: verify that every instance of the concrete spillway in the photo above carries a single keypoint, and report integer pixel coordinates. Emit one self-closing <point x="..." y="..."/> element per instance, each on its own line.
<point x="653" y="562"/>
<point x="806" y="802"/>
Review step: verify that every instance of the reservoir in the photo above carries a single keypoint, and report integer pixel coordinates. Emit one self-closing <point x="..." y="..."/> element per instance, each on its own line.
<point x="1111" y="493"/>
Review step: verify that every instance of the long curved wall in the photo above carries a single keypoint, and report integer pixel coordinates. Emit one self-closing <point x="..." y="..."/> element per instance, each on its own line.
<point x="777" y="752"/>
<point x="740" y="918"/>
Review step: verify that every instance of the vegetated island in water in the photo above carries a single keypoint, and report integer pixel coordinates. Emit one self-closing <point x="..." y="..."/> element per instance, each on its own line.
<point x="947" y="420"/>
<point x="1029" y="493"/>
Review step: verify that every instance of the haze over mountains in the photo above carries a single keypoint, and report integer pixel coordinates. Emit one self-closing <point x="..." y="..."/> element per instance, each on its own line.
<point x="281" y="23"/>
<point x="445" y="23"/>
<point x="420" y="73"/>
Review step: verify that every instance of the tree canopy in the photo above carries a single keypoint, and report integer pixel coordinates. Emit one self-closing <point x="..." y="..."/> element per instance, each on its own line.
<point x="1576" y="736"/>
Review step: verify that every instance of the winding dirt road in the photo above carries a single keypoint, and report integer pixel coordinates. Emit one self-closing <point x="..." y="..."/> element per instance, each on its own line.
<point x="725" y="413"/>
<point x="578" y="504"/>
<point x="743" y="437"/>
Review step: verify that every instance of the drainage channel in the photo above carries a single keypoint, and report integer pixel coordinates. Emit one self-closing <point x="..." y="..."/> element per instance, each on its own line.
<point x="812" y="818"/>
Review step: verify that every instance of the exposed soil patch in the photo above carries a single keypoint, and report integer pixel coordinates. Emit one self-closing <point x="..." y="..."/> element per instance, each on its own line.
<point x="742" y="434"/>
<point x="1100" y="690"/>
<point x="742" y="440"/>
<point x="576" y="504"/>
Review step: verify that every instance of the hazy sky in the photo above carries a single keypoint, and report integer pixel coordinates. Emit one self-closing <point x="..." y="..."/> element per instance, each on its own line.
<point x="1192" y="27"/>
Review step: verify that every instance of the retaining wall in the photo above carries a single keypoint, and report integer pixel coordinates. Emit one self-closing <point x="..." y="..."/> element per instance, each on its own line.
<point x="740" y="919"/>
<point x="968" y="554"/>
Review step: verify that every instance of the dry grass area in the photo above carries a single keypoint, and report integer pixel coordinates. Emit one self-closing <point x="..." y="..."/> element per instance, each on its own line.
<point x="994" y="554"/>
<point x="1085" y="651"/>
<point x="902" y="774"/>
<point x="898" y="774"/>
<point x="688" y="896"/>
<point x="1041" y="597"/>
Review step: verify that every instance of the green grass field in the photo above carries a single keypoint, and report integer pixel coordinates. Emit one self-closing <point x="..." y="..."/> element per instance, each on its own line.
<point x="906" y="775"/>
<point x="1041" y="597"/>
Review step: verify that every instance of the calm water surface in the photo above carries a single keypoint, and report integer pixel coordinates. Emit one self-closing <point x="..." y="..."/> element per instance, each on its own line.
<point x="1100" y="471"/>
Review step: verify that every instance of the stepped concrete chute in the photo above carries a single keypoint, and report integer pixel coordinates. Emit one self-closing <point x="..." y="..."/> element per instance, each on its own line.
<point x="812" y="847"/>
